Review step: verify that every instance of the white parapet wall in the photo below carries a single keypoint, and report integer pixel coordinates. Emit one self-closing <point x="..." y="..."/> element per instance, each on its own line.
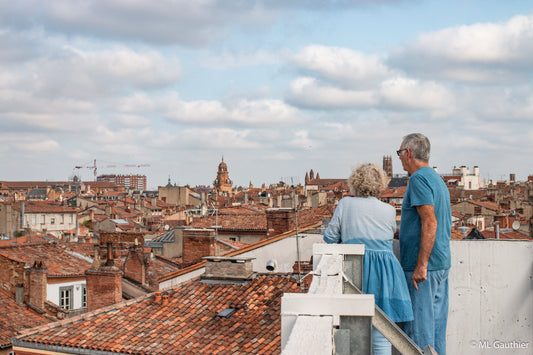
<point x="491" y="297"/>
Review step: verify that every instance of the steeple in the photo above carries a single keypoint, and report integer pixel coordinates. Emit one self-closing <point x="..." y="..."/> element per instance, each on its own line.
<point x="223" y="183"/>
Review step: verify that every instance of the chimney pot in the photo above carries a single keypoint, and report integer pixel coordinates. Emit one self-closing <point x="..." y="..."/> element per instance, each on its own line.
<point x="165" y="300"/>
<point x="157" y="297"/>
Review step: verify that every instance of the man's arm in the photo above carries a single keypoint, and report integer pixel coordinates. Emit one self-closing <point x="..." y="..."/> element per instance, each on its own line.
<point x="427" y="240"/>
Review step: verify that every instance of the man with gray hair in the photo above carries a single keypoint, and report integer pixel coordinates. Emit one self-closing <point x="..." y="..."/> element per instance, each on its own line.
<point x="425" y="233"/>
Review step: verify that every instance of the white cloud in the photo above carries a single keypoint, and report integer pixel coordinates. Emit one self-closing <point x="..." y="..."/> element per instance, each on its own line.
<point x="184" y="22"/>
<point x="404" y="93"/>
<point x="301" y="140"/>
<point x="482" y="52"/>
<point x="217" y="138"/>
<point x="342" y="66"/>
<point x="394" y="93"/>
<point x="308" y="92"/>
<point x="27" y="144"/>
<point x="90" y="74"/>
<point x="260" y="112"/>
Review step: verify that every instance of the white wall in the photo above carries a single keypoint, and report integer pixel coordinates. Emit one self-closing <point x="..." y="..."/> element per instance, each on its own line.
<point x="283" y="251"/>
<point x="69" y="222"/>
<point x="491" y="298"/>
<point x="52" y="292"/>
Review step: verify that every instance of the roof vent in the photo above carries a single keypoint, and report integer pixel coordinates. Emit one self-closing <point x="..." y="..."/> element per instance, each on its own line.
<point x="226" y="313"/>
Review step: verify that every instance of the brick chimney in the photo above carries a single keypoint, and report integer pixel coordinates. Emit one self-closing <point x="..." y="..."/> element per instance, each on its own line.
<point x="198" y="243"/>
<point x="108" y="210"/>
<point x="220" y="269"/>
<point x="503" y="220"/>
<point x="135" y="266"/>
<point x="104" y="282"/>
<point x="279" y="220"/>
<point x="38" y="281"/>
<point x="104" y="286"/>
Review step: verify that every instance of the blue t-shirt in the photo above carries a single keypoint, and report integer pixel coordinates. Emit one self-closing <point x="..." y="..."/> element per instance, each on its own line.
<point x="426" y="187"/>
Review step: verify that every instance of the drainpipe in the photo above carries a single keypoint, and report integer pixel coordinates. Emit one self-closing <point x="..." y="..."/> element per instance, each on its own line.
<point x="77" y="227"/>
<point x="22" y="216"/>
<point x="497" y="229"/>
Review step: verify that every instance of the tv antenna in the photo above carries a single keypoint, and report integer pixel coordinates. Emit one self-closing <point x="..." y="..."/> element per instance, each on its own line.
<point x="295" y="205"/>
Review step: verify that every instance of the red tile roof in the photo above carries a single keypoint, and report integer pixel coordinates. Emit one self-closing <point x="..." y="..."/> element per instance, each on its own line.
<point x="187" y="324"/>
<point x="505" y="235"/>
<point x="14" y="318"/>
<point x="485" y="204"/>
<point x="398" y="192"/>
<point x="247" y="221"/>
<point x="457" y="214"/>
<point x="457" y="235"/>
<point x="160" y="267"/>
<point x="460" y="194"/>
<point x="325" y="182"/>
<point x="36" y="206"/>
<point x="34" y="238"/>
<point x="59" y="261"/>
<point x="308" y="216"/>
<point x="256" y="221"/>
<point x="336" y="186"/>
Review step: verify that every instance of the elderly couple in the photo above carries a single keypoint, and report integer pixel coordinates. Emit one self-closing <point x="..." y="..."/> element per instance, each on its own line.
<point x="417" y="296"/>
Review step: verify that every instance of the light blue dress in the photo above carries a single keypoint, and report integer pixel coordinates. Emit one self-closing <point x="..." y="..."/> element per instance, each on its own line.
<point x="368" y="221"/>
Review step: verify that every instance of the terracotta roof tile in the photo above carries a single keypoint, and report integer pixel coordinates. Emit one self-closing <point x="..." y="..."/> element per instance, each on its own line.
<point x="397" y="192"/>
<point x="505" y="235"/>
<point x="486" y="204"/>
<point x="58" y="260"/>
<point x="188" y="323"/>
<point x="34" y="238"/>
<point x="36" y="206"/>
<point x="233" y="221"/>
<point x="14" y="318"/>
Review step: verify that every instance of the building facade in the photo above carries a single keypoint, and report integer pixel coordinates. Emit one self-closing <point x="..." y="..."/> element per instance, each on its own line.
<point x="135" y="182"/>
<point x="45" y="216"/>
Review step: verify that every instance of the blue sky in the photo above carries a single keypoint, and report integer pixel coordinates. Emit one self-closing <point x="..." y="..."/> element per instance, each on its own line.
<point x="277" y="87"/>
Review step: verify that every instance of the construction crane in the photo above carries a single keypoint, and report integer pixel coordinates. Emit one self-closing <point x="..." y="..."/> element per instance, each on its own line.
<point x="94" y="168"/>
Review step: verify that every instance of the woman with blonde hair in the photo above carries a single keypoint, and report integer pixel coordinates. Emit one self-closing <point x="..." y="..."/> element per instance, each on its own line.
<point x="363" y="219"/>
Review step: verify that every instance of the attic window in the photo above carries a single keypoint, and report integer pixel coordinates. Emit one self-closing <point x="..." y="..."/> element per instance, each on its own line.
<point x="226" y="313"/>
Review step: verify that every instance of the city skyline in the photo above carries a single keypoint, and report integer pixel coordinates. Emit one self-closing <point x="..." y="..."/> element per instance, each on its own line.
<point x="277" y="88"/>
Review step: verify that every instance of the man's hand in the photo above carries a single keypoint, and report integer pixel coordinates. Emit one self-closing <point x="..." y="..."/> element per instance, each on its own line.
<point x="420" y="274"/>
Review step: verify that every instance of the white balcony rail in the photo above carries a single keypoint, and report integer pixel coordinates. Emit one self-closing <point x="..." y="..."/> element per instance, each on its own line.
<point x="334" y="317"/>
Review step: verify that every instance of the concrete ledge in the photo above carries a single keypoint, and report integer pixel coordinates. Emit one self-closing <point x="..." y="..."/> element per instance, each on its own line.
<point x="345" y="249"/>
<point x="334" y="305"/>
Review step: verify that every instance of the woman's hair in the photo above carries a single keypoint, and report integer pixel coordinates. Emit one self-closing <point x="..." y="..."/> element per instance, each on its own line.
<point x="367" y="180"/>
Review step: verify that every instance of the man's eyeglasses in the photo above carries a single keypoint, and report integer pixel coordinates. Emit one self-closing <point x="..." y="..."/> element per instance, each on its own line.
<point x="399" y="151"/>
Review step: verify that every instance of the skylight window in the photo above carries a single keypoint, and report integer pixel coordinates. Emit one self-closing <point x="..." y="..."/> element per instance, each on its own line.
<point x="226" y="313"/>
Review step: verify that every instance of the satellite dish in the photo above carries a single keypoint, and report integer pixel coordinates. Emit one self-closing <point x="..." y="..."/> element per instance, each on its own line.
<point x="167" y="227"/>
<point x="516" y="225"/>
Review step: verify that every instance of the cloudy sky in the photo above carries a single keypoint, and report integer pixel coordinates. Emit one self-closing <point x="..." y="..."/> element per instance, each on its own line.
<point x="277" y="87"/>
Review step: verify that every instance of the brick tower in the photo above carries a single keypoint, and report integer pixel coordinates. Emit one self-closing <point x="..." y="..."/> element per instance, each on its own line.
<point x="387" y="165"/>
<point x="223" y="183"/>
